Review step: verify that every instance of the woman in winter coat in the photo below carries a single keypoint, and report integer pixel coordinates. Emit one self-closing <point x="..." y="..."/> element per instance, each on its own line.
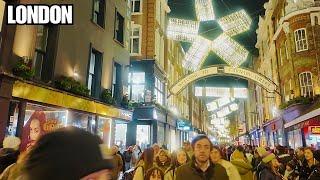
<point x="270" y="168"/>
<point x="308" y="165"/>
<point x="242" y="164"/>
<point x="179" y="158"/>
<point x="216" y="158"/>
<point x="144" y="164"/>
<point x="163" y="160"/>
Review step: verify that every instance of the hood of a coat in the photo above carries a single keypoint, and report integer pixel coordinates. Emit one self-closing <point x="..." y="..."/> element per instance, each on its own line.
<point x="242" y="166"/>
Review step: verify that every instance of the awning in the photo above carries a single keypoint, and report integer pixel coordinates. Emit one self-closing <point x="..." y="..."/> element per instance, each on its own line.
<point x="302" y="118"/>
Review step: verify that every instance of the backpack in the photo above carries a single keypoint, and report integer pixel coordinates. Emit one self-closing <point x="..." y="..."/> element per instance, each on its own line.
<point x="128" y="175"/>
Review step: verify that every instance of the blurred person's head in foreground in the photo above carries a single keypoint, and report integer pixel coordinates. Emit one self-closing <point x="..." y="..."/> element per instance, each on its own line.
<point x="68" y="153"/>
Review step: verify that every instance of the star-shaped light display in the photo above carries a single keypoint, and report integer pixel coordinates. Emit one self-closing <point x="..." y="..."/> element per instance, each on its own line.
<point x="224" y="46"/>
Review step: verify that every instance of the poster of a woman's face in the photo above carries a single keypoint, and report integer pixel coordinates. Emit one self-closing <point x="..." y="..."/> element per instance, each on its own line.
<point x="33" y="129"/>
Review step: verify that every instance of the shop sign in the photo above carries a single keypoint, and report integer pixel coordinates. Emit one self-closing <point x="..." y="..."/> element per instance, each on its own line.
<point x="315" y="129"/>
<point x="182" y="125"/>
<point x="125" y="115"/>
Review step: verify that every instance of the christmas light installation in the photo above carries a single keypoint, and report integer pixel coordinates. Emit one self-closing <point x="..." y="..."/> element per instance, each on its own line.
<point x="218" y="103"/>
<point x="204" y="10"/>
<point x="220" y="92"/>
<point x="197" y="54"/>
<point x="235" y="23"/>
<point x="182" y="30"/>
<point x="229" y="50"/>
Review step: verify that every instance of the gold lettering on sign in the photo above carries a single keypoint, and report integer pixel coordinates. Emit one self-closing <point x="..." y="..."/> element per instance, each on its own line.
<point x="315" y="130"/>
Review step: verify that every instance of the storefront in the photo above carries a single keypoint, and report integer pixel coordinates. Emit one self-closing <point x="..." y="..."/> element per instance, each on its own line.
<point x="185" y="128"/>
<point x="304" y="130"/>
<point x="147" y="127"/>
<point x="274" y="133"/>
<point x="173" y="134"/>
<point x="34" y="114"/>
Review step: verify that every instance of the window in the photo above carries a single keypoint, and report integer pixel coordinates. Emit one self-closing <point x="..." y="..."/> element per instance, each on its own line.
<point x="116" y="82"/>
<point x="301" y="40"/>
<point x="119" y="28"/>
<point x="136" y="86"/>
<point x="158" y="91"/>
<point x="306" y="84"/>
<point x="135" y="40"/>
<point x="98" y="12"/>
<point x="136" y="6"/>
<point x="94" y="73"/>
<point x="40" y="50"/>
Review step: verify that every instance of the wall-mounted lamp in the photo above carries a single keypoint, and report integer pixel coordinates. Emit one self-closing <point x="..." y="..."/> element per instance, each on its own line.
<point x="75" y="73"/>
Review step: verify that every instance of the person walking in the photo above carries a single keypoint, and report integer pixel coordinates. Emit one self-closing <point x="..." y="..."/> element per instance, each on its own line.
<point x="244" y="167"/>
<point x="200" y="167"/>
<point x="128" y="158"/>
<point x="178" y="158"/>
<point x="270" y="169"/>
<point x="163" y="160"/>
<point x="118" y="162"/>
<point x="308" y="164"/>
<point x="144" y="164"/>
<point x="216" y="158"/>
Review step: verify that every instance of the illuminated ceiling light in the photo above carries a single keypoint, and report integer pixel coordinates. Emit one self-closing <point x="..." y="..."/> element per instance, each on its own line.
<point x="216" y="104"/>
<point x="235" y="23"/>
<point x="204" y="10"/>
<point x="229" y="50"/>
<point x="217" y="92"/>
<point x="224" y="101"/>
<point x="182" y="30"/>
<point x="197" y="54"/>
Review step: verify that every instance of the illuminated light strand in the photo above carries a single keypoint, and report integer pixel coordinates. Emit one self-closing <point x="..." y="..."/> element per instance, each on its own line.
<point x="220" y="92"/>
<point x="204" y="10"/>
<point x="197" y="54"/>
<point x="216" y="104"/>
<point x="229" y="50"/>
<point x="235" y="23"/>
<point x="182" y="30"/>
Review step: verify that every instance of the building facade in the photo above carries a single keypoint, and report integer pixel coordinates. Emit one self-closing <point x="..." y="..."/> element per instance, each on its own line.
<point x="72" y="68"/>
<point x="290" y="28"/>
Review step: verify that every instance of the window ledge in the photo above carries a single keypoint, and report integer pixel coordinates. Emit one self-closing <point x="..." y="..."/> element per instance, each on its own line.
<point x="302" y="50"/>
<point x="115" y="40"/>
<point x="136" y="13"/>
<point x="97" y="25"/>
<point x="135" y="54"/>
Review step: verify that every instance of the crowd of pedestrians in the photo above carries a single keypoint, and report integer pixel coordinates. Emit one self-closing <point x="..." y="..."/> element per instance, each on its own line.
<point x="74" y="154"/>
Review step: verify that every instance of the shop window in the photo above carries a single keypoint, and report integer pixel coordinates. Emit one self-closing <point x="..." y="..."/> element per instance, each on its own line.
<point x="306" y="85"/>
<point x="104" y="129"/>
<point x="300" y="36"/>
<point x="160" y="134"/>
<point x="121" y="135"/>
<point x="137" y="86"/>
<point x="136" y="6"/>
<point x="98" y="13"/>
<point x="13" y="118"/>
<point x="135" y="40"/>
<point x="159" y="91"/>
<point x="143" y="136"/>
<point x="94" y="73"/>
<point x="119" y="28"/>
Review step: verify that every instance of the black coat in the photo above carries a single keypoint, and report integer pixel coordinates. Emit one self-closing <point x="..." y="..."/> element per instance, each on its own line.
<point x="315" y="175"/>
<point x="7" y="157"/>
<point x="305" y="171"/>
<point x="267" y="174"/>
<point x="190" y="171"/>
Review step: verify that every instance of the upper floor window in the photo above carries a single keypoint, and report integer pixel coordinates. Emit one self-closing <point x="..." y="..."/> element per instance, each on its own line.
<point x="306" y="85"/>
<point x="159" y="91"/>
<point x="300" y="36"/>
<point x="136" y="6"/>
<point x="98" y="12"/>
<point x="40" y="50"/>
<point x="94" y="73"/>
<point x="136" y="86"/>
<point x="135" y="40"/>
<point x="119" y="28"/>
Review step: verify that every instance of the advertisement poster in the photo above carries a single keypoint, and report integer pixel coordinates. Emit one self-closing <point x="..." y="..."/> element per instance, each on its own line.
<point x="36" y="126"/>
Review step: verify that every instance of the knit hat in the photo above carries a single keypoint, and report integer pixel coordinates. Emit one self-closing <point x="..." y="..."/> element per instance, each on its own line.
<point x="261" y="151"/>
<point x="11" y="142"/>
<point x="68" y="153"/>
<point x="267" y="157"/>
<point x="316" y="155"/>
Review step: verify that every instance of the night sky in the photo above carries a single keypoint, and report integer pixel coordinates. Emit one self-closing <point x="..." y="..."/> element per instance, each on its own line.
<point x="185" y="9"/>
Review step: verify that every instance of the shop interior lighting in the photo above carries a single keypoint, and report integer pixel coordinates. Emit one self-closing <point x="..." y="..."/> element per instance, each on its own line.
<point x="197" y="53"/>
<point x="182" y="30"/>
<point x="235" y="23"/>
<point x="229" y="50"/>
<point x="204" y="10"/>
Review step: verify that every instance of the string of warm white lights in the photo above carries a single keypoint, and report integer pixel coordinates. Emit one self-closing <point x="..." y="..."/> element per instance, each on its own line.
<point x="204" y="10"/>
<point x="182" y="30"/>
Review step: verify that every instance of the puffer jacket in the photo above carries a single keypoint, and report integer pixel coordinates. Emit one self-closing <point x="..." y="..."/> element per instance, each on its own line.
<point x="244" y="167"/>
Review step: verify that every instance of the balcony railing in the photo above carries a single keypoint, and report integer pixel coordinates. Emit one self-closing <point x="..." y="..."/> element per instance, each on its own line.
<point x="301" y="4"/>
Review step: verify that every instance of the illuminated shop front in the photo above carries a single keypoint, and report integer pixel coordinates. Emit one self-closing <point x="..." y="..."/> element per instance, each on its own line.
<point x="34" y="114"/>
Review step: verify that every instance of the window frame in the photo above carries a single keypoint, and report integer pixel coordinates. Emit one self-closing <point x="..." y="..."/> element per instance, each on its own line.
<point x="135" y="37"/>
<point x="300" y="40"/>
<point x="304" y="86"/>
<point x="133" y="5"/>
<point x="116" y="26"/>
<point x="159" y="88"/>
<point x="102" y="14"/>
<point x="130" y="84"/>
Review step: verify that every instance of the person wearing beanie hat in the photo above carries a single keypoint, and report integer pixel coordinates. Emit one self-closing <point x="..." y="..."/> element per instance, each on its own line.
<point x="315" y="175"/>
<point x="244" y="167"/>
<point x="9" y="153"/>
<point x="67" y="154"/>
<point x="270" y="170"/>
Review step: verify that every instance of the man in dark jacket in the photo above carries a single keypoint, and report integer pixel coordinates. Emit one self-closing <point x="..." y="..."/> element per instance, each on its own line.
<point x="200" y="168"/>
<point x="315" y="175"/>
